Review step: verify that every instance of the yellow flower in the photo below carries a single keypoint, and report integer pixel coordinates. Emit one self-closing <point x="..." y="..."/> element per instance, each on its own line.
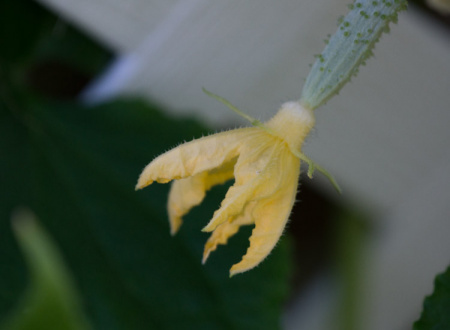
<point x="265" y="163"/>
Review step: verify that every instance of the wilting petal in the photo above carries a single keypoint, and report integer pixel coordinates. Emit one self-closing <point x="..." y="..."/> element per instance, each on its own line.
<point x="219" y="236"/>
<point x="194" y="157"/>
<point x="233" y="204"/>
<point x="186" y="193"/>
<point x="271" y="215"/>
<point x="253" y="180"/>
<point x="227" y="229"/>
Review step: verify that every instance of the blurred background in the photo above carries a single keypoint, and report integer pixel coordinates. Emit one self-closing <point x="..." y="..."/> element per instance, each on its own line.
<point x="361" y="260"/>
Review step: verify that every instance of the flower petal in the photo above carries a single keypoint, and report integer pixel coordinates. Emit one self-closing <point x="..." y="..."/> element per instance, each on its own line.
<point x="227" y="229"/>
<point x="233" y="204"/>
<point x="194" y="157"/>
<point x="186" y="193"/>
<point x="253" y="173"/>
<point x="271" y="215"/>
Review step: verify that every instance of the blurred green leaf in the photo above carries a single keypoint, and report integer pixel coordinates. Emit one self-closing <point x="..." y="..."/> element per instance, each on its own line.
<point x="22" y="23"/>
<point x="352" y="231"/>
<point x="41" y="51"/>
<point x="76" y="168"/>
<point x="51" y="301"/>
<point x="436" y="307"/>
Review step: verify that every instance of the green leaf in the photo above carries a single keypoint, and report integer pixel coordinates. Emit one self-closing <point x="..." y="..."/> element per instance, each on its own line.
<point x="22" y="24"/>
<point x="349" y="48"/>
<point x="436" y="307"/>
<point x="51" y="301"/>
<point x="76" y="167"/>
<point x="41" y="51"/>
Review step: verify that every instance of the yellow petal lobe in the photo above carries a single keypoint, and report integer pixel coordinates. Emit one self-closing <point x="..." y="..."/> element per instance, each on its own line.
<point x="227" y="229"/>
<point x="186" y="193"/>
<point x="252" y="177"/>
<point x="193" y="157"/>
<point x="271" y="215"/>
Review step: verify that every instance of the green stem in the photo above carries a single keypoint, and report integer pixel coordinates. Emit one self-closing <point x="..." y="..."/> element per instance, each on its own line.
<point x="348" y="48"/>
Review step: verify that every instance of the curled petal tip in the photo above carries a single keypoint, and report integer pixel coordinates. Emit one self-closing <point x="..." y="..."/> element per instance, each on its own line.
<point x="234" y="272"/>
<point x="138" y="186"/>
<point x="142" y="183"/>
<point x="210" y="227"/>
<point x="207" y="229"/>
<point x="205" y="256"/>
<point x="239" y="268"/>
<point x="218" y="219"/>
<point x="175" y="223"/>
